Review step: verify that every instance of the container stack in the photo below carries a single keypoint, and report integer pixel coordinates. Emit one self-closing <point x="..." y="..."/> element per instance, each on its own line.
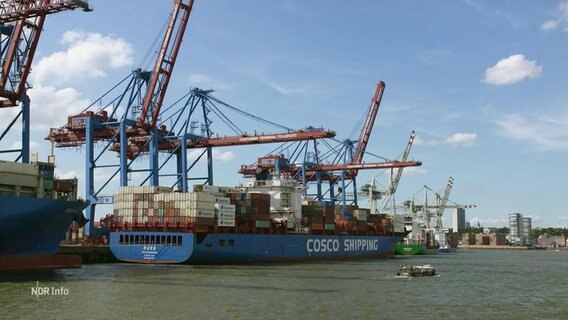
<point x="150" y="204"/>
<point x="329" y="216"/>
<point x="74" y="234"/>
<point x="314" y="213"/>
<point x="20" y="180"/>
<point x="361" y="214"/>
<point x="225" y="214"/>
<point x="253" y="208"/>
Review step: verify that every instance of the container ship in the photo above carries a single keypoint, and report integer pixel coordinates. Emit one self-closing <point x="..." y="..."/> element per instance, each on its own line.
<point x="263" y="221"/>
<point x="35" y="212"/>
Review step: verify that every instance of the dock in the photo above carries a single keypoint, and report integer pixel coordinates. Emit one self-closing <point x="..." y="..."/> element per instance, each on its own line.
<point x="89" y="253"/>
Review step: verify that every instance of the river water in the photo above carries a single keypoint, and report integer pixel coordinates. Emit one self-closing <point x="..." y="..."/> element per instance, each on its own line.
<point x="472" y="284"/>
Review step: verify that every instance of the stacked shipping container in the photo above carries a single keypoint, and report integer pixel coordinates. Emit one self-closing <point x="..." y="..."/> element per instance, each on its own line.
<point x="206" y="206"/>
<point x="210" y="207"/>
<point x="252" y="209"/>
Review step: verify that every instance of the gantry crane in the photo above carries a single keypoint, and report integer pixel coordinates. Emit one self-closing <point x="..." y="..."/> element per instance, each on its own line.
<point x="368" y="125"/>
<point x="344" y="166"/>
<point x="371" y="191"/>
<point x="431" y="216"/>
<point x="427" y="217"/>
<point x="21" y="24"/>
<point x="89" y="126"/>
<point x="145" y="134"/>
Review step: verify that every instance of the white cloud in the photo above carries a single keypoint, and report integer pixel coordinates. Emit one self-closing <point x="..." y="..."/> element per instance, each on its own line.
<point x="67" y="175"/>
<point x="221" y="156"/>
<point x="204" y="81"/>
<point x="287" y="90"/>
<point x="51" y="106"/>
<point x="561" y="18"/>
<point x="549" y="25"/>
<point x="414" y="171"/>
<point x="462" y="139"/>
<point x="511" y="70"/>
<point x="418" y="141"/>
<point x="456" y="140"/>
<point x="88" y="55"/>
<point x="218" y="156"/>
<point x="18" y="144"/>
<point x="199" y="78"/>
<point x="546" y="132"/>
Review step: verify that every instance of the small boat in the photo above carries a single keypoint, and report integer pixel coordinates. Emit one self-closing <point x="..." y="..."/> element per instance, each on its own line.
<point x="445" y="248"/>
<point x="407" y="271"/>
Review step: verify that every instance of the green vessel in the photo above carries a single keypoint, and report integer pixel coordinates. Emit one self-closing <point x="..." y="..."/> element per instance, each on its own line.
<point x="413" y="249"/>
<point x="408" y="249"/>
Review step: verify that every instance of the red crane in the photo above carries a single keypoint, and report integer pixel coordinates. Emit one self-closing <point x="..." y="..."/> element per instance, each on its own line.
<point x="139" y="145"/>
<point x="14" y="10"/>
<point x="17" y="61"/>
<point x="357" y="159"/>
<point x="268" y="164"/>
<point x="73" y="134"/>
<point x="162" y="72"/>
<point x="369" y="122"/>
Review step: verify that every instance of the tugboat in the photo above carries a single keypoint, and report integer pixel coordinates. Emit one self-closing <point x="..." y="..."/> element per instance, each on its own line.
<point x="407" y="271"/>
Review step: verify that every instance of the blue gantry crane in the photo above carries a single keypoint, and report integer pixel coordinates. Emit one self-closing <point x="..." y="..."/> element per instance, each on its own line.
<point x="143" y="91"/>
<point x="129" y="120"/>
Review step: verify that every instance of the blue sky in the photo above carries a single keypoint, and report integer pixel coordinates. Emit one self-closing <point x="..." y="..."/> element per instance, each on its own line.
<point x="483" y="84"/>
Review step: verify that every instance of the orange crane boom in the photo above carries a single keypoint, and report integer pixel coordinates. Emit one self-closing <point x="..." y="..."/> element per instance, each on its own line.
<point x="368" y="126"/>
<point x="20" y="61"/>
<point x="139" y="144"/>
<point x="299" y="135"/>
<point x="14" y="10"/>
<point x="164" y="66"/>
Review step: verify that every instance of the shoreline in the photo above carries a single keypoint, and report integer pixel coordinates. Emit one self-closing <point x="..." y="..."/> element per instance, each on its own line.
<point x="476" y="247"/>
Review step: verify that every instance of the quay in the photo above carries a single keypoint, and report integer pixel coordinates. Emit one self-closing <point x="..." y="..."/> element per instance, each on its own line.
<point x="89" y="253"/>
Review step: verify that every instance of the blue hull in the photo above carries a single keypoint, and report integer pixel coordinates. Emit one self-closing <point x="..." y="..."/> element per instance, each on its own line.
<point x="32" y="226"/>
<point x="218" y="248"/>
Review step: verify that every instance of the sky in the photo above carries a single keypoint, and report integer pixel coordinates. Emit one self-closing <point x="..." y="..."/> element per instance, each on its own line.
<point x="483" y="83"/>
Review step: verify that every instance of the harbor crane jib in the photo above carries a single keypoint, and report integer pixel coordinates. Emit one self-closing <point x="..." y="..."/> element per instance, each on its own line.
<point x="21" y="25"/>
<point x="145" y="91"/>
<point x="345" y="164"/>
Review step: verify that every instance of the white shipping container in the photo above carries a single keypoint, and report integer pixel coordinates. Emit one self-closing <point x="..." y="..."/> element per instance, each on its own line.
<point x="202" y="213"/>
<point x="19" y="168"/>
<point x="226" y="215"/>
<point x="229" y="190"/>
<point x="223" y="206"/>
<point x="226" y="222"/>
<point x="201" y="205"/>
<point x="222" y="200"/>
<point x="206" y="187"/>
<point x="202" y="197"/>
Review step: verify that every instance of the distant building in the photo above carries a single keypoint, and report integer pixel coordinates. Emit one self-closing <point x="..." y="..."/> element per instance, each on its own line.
<point x="544" y="240"/>
<point x="458" y="221"/>
<point x="484" y="239"/>
<point x="521" y="229"/>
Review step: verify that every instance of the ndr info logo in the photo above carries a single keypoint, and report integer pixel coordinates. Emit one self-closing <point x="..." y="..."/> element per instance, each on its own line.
<point x="49" y="291"/>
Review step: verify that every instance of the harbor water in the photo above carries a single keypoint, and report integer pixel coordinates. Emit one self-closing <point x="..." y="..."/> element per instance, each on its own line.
<point x="472" y="284"/>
